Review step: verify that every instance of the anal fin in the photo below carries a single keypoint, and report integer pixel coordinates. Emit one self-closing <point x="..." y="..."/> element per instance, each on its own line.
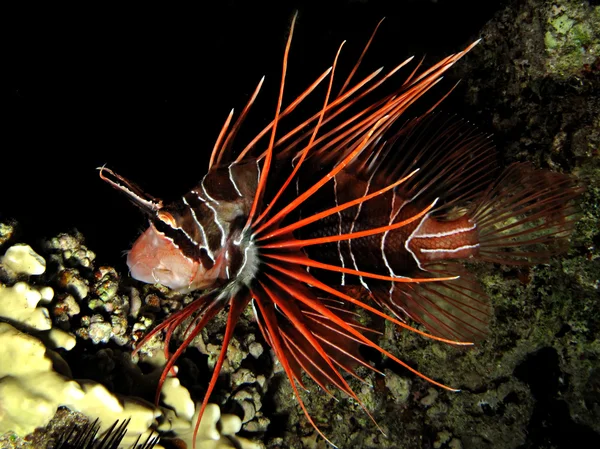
<point x="456" y="309"/>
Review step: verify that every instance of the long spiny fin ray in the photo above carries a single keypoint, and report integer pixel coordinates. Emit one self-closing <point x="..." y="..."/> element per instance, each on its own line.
<point x="353" y="100"/>
<point x="238" y="123"/>
<point x="427" y="79"/>
<point x="237" y="304"/>
<point x="360" y="58"/>
<point x="199" y="304"/>
<point x="316" y="316"/>
<point x="308" y="147"/>
<point x="269" y="156"/>
<point x="311" y="280"/>
<point x="349" y="354"/>
<point x="337" y="349"/>
<point x="304" y="361"/>
<point x="208" y="315"/>
<point x="293" y="314"/>
<point x="270" y="324"/>
<point x="301" y="198"/>
<point x="217" y="147"/>
<point x="334" y="210"/>
<point x="286" y="112"/>
<point x="303" y="260"/>
<point x="358" y="97"/>
<point x="330" y="115"/>
<point x="299" y="243"/>
<point x="392" y="110"/>
<point x="176" y="323"/>
<point x="323" y="310"/>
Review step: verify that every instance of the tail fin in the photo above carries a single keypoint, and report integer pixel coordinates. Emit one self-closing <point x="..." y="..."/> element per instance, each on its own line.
<point x="527" y="215"/>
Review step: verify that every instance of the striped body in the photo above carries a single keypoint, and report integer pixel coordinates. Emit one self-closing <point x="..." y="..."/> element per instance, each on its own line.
<point x="206" y="227"/>
<point x="397" y="252"/>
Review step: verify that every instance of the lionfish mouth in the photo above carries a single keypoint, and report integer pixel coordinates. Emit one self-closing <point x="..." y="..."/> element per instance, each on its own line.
<point x="374" y="203"/>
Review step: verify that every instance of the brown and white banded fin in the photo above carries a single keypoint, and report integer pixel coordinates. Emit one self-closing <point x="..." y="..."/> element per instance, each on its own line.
<point x="456" y="309"/>
<point x="455" y="160"/>
<point x="526" y="216"/>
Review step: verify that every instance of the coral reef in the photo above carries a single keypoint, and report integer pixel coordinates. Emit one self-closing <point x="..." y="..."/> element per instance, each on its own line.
<point x="35" y="381"/>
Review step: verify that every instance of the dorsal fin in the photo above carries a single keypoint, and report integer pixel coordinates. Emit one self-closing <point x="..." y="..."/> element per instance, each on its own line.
<point x="456" y="161"/>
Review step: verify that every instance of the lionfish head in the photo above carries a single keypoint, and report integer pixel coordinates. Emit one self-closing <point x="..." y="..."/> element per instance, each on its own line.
<point x="193" y="243"/>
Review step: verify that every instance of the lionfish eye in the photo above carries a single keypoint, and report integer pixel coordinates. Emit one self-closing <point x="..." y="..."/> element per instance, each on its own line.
<point x="166" y="218"/>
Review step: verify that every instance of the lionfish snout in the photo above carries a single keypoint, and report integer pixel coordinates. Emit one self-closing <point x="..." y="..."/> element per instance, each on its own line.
<point x="154" y="258"/>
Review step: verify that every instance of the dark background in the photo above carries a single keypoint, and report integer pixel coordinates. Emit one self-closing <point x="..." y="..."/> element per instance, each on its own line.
<point x="146" y="89"/>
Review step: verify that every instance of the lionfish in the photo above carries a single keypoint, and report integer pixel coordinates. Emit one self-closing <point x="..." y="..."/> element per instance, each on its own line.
<point x="352" y="198"/>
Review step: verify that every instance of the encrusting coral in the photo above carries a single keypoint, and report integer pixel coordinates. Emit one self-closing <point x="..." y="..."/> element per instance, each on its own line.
<point x="35" y="380"/>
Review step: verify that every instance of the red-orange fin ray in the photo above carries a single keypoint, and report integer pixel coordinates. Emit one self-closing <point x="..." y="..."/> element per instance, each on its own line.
<point x="352" y="99"/>
<point x="286" y="112"/>
<point x="298" y="243"/>
<point x="270" y="325"/>
<point x="311" y="280"/>
<point x="269" y="156"/>
<point x="305" y="362"/>
<point x="352" y="356"/>
<point x="237" y="304"/>
<point x="315" y="305"/>
<point x="293" y="314"/>
<point x="332" y="375"/>
<point x="304" y="152"/>
<point x="393" y="106"/>
<point x="301" y="198"/>
<point x="330" y="112"/>
<point x="334" y="210"/>
<point x="238" y="123"/>
<point x="360" y="58"/>
<point x="303" y="260"/>
<point x="209" y="313"/>
<point x="197" y="306"/>
<point x="175" y="324"/>
<point x="315" y="317"/>
<point x="217" y="148"/>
